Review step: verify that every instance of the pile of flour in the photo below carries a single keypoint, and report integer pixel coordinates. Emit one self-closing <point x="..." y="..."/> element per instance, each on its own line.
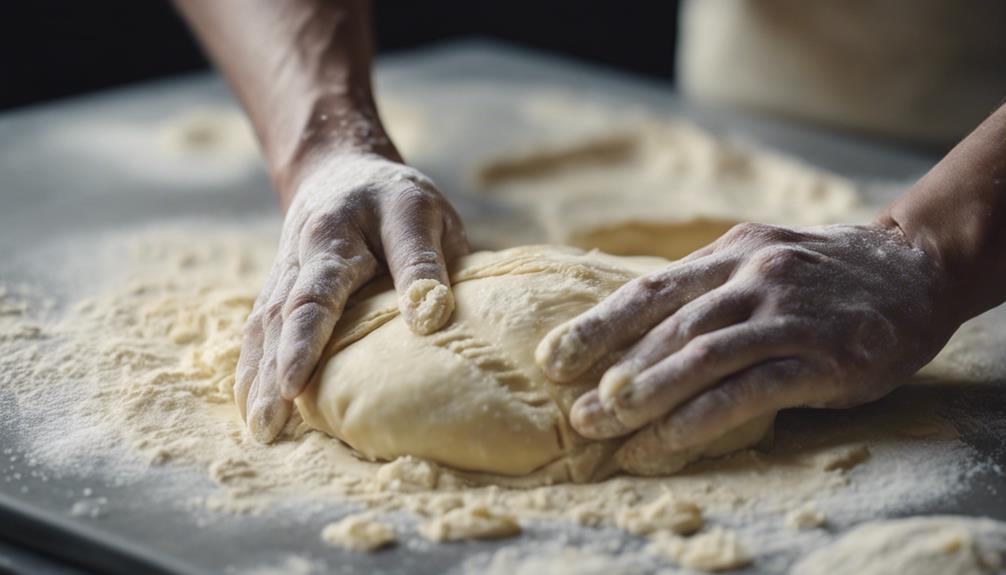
<point x="126" y="367"/>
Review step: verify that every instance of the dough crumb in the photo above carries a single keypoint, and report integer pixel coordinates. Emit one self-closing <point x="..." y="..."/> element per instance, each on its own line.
<point x="358" y="533"/>
<point x="407" y="474"/>
<point x="807" y="516"/>
<point x="475" y="522"/>
<point x="844" y="458"/>
<point x="715" y="550"/>
<point x="427" y="305"/>
<point x="664" y="513"/>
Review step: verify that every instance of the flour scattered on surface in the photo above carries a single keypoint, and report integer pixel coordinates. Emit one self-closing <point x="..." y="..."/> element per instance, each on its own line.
<point x="128" y="376"/>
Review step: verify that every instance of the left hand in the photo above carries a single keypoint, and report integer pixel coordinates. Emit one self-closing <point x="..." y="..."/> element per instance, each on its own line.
<point x="762" y="319"/>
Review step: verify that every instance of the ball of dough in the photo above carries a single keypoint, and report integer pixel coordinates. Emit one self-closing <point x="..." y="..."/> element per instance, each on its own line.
<point x="470" y="395"/>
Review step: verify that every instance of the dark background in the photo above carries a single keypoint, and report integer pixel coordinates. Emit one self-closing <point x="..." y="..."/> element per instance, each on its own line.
<point x="54" y="49"/>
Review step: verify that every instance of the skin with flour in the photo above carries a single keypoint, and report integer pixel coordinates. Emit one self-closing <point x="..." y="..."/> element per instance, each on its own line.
<point x="830" y="316"/>
<point x="302" y="71"/>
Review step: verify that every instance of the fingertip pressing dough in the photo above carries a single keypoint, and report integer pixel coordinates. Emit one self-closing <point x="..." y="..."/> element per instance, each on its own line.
<point x="470" y="396"/>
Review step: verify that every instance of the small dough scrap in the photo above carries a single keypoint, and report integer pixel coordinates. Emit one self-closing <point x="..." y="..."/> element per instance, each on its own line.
<point x="474" y="522"/>
<point x="407" y="474"/>
<point x="807" y="516"/>
<point x="358" y="533"/>
<point x="844" y="458"/>
<point x="664" y="513"/>
<point x="471" y="396"/>
<point x="426" y="305"/>
<point x="716" y="550"/>
<point x="928" y="545"/>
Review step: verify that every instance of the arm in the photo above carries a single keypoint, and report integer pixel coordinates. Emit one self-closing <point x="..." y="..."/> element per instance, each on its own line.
<point x="957" y="214"/>
<point x="301" y="69"/>
<point x="767" y="318"/>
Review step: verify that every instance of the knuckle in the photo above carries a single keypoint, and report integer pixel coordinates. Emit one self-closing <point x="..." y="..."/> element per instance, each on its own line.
<point x="779" y="259"/>
<point x="273" y="312"/>
<point x="702" y="351"/>
<point x="648" y="286"/>
<point x="417" y="197"/>
<point x="744" y="231"/>
<point x="323" y="228"/>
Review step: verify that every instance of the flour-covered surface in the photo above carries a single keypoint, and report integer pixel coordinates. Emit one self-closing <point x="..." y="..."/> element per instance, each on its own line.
<point x="122" y="291"/>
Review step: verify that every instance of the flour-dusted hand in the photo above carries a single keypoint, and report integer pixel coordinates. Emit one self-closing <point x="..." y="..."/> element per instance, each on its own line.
<point x="350" y="217"/>
<point x="762" y="319"/>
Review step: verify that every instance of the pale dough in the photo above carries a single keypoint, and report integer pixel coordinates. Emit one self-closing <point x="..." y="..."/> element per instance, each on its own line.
<point x="470" y="396"/>
<point x="934" y="545"/>
<point x="715" y="550"/>
<point x="475" y="522"/>
<point x="358" y="533"/>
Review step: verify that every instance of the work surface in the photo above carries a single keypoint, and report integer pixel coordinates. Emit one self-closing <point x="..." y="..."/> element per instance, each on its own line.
<point x="57" y="185"/>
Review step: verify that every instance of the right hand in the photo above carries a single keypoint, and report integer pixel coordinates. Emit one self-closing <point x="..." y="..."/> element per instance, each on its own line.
<point x="352" y="215"/>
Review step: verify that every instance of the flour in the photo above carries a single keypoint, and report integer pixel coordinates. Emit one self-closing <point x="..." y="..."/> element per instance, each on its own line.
<point x="130" y="374"/>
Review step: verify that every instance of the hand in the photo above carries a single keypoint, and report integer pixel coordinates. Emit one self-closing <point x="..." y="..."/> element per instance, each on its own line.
<point x="762" y="319"/>
<point x="351" y="215"/>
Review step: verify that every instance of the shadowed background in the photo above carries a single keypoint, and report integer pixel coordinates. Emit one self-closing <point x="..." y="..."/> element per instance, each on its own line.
<point x="52" y="49"/>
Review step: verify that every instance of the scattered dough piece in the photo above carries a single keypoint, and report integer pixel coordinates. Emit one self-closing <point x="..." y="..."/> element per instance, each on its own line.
<point x="358" y="533"/>
<point x="470" y="396"/>
<point x="664" y="513"/>
<point x="807" y="516"/>
<point x="845" y="457"/>
<point x="934" y="545"/>
<point x="715" y="550"/>
<point x="407" y="474"/>
<point x="475" y="522"/>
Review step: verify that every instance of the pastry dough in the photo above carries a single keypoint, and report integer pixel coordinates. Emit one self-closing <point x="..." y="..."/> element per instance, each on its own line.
<point x="470" y="396"/>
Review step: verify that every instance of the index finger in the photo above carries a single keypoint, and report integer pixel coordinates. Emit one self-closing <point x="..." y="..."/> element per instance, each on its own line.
<point x="623" y="317"/>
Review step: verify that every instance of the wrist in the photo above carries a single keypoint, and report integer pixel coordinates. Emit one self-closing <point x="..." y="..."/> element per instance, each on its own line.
<point x="337" y="126"/>
<point x="951" y="303"/>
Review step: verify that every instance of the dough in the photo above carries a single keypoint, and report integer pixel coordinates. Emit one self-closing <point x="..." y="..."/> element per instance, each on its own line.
<point x="470" y="396"/>
<point x="641" y="184"/>
<point x="714" y="550"/>
<point x="935" y="545"/>
<point x="476" y="522"/>
<point x="358" y="533"/>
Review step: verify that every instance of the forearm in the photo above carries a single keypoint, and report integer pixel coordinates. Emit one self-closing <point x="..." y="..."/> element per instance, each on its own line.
<point x="301" y="69"/>
<point x="957" y="214"/>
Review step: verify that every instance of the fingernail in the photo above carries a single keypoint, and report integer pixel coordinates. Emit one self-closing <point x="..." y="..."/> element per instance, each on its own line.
<point x="426" y="305"/>
<point x="591" y="420"/>
<point x="616" y="385"/>
<point x="561" y="354"/>
<point x="265" y="421"/>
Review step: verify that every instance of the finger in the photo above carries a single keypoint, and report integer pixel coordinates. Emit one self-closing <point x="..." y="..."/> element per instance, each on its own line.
<point x="741" y="405"/>
<point x="454" y="241"/>
<point x="715" y="310"/>
<point x="314" y="306"/>
<point x="267" y="411"/>
<point x="697" y="366"/>
<point x="252" y="340"/>
<point x="411" y="239"/>
<point x="570" y="349"/>
<point x="248" y="362"/>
